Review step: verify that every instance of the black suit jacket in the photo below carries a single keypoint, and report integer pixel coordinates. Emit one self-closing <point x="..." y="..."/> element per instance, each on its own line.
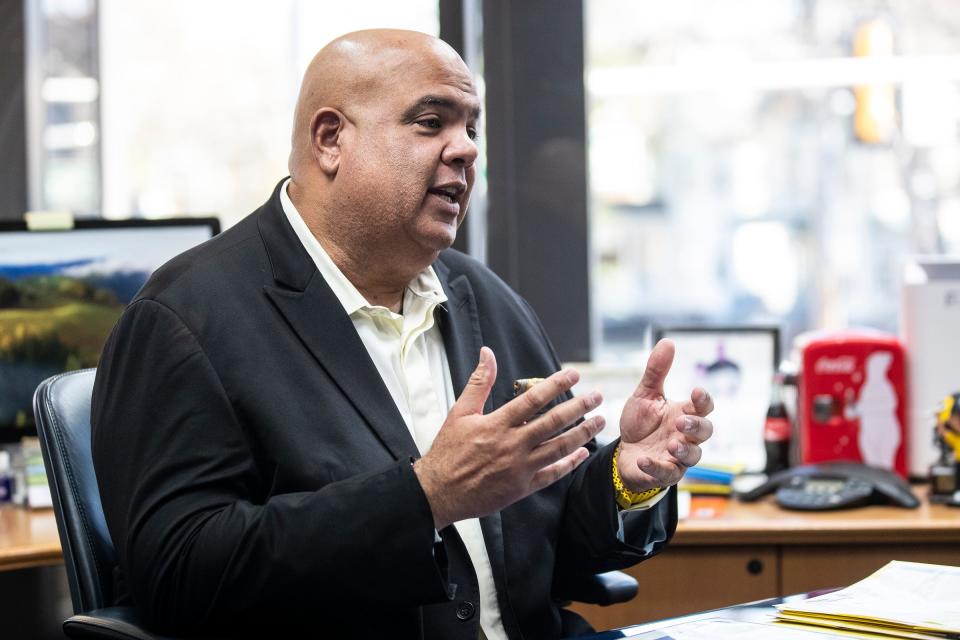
<point x="254" y="468"/>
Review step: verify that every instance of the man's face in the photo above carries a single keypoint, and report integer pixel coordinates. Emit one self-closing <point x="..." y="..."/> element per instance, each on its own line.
<point x="409" y="168"/>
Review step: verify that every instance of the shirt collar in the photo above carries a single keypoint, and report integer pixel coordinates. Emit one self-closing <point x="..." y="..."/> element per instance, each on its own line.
<point x="425" y="285"/>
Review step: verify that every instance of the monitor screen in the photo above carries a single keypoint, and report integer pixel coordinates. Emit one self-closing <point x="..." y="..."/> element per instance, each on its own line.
<point x="61" y="292"/>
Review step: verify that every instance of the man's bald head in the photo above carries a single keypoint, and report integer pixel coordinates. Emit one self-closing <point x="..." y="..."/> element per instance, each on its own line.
<point x="384" y="145"/>
<point x="354" y="70"/>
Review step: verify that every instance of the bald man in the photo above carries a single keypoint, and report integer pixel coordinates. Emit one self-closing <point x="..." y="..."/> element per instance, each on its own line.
<point x="309" y="423"/>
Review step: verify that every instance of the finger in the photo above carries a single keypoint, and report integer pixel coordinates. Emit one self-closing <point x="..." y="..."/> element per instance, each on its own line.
<point x="527" y="404"/>
<point x="658" y="365"/>
<point x="567" y="442"/>
<point x="694" y="428"/>
<point x="685" y="453"/>
<point x="478" y="387"/>
<point x="553" y="472"/>
<point x="560" y="417"/>
<point x="699" y="404"/>
<point x="662" y="473"/>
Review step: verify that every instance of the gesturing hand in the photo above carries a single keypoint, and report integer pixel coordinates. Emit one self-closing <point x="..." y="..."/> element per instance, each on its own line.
<point x="480" y="463"/>
<point x="659" y="439"/>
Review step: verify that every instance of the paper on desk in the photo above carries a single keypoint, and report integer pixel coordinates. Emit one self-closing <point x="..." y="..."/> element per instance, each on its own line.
<point x="908" y="596"/>
<point x="856" y="629"/>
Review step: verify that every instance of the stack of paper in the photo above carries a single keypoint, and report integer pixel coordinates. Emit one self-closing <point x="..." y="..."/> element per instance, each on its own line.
<point x="901" y="600"/>
<point x="709" y="479"/>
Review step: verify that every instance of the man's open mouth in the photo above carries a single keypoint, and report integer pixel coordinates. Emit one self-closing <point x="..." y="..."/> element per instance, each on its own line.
<point x="448" y="194"/>
<point x="450" y="191"/>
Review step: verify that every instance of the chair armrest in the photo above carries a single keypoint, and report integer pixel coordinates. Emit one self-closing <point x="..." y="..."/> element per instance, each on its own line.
<point x="109" y="623"/>
<point x="603" y="589"/>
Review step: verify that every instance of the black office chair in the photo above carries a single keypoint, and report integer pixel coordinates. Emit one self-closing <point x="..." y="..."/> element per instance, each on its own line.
<point x="61" y="408"/>
<point x="602" y="589"/>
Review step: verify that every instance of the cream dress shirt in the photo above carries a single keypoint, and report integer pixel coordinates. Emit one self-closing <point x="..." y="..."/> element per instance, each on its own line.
<point x="409" y="354"/>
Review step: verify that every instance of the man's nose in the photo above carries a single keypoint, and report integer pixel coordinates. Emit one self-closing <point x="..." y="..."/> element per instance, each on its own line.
<point x="462" y="150"/>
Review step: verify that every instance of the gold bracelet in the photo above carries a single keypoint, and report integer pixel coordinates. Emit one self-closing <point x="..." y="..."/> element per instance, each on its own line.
<point x="625" y="497"/>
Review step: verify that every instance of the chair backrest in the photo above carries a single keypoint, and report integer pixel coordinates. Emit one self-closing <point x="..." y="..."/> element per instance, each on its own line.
<point x="61" y="407"/>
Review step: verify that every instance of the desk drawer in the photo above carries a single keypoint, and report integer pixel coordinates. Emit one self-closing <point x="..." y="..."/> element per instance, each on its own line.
<point x="689" y="579"/>
<point x="808" y="567"/>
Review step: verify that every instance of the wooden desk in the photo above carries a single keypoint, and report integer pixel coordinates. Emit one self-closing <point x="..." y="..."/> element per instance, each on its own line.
<point x="749" y="552"/>
<point x="28" y="538"/>
<point x="753" y="551"/>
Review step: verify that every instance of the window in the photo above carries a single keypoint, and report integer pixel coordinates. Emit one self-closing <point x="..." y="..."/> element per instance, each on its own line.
<point x="197" y="98"/>
<point x="758" y="161"/>
<point x="63" y="111"/>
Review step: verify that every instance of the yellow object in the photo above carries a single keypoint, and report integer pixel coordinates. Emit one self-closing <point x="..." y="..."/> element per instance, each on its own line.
<point x="902" y="600"/>
<point x="875" y="115"/>
<point x="947" y="430"/>
<point x="705" y="488"/>
<point x="625" y="497"/>
<point x="948" y="404"/>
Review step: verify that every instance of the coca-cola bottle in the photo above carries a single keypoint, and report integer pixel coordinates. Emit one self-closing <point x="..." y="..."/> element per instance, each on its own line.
<point x="776" y="430"/>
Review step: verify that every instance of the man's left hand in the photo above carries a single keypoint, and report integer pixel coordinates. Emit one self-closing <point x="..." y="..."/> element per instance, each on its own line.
<point x="660" y="439"/>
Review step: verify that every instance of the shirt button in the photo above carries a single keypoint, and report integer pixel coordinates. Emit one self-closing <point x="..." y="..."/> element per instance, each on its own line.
<point x="465" y="610"/>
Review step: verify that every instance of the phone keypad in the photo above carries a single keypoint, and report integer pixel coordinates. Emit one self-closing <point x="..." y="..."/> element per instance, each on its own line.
<point x="813" y="495"/>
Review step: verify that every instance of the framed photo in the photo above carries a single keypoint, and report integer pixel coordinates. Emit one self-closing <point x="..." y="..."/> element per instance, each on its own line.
<point x="736" y="365"/>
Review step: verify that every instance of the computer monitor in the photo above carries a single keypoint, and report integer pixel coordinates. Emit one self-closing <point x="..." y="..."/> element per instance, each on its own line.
<point x="61" y="292"/>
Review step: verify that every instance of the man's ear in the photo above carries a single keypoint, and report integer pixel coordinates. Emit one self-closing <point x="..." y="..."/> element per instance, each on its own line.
<point x="326" y="127"/>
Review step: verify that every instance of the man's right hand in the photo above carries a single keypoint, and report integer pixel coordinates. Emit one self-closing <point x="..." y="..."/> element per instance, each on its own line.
<point x="479" y="464"/>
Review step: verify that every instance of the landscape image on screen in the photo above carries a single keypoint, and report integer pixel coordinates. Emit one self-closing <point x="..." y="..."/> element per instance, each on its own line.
<point x="56" y="314"/>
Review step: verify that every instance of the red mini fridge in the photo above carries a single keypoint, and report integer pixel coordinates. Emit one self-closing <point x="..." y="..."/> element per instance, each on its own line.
<point x="852" y="401"/>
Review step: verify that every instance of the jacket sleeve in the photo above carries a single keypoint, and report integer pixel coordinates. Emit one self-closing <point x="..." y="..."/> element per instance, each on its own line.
<point x="591" y="540"/>
<point x="198" y="540"/>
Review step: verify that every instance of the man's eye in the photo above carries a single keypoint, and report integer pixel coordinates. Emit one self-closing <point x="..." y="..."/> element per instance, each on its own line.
<point x="430" y="123"/>
<point x="472" y="133"/>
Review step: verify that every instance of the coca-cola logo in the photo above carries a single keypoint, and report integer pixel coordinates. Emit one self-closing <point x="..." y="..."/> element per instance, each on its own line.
<point x="842" y="365"/>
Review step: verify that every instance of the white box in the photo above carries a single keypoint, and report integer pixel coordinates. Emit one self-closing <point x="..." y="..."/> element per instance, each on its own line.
<point x="930" y="330"/>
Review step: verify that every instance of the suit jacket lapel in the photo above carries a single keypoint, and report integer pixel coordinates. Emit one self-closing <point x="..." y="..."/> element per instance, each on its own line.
<point x="460" y="327"/>
<point x="313" y="311"/>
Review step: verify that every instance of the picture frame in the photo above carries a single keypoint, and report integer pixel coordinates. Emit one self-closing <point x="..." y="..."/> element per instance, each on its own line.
<point x="736" y="365"/>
